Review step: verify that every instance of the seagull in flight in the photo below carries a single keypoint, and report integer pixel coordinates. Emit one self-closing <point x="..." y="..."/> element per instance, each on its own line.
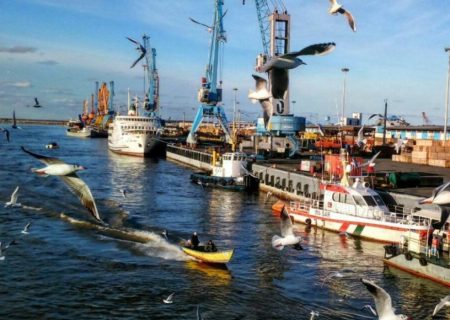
<point x="288" y="237"/>
<point x="383" y="302"/>
<point x="337" y="8"/>
<point x="169" y="299"/>
<point x="67" y="172"/>
<point x="36" y="103"/>
<point x="164" y="233"/>
<point x="209" y="28"/>
<point x="26" y="228"/>
<point x="199" y="315"/>
<point x="445" y="302"/>
<point x="6" y="131"/>
<point x="263" y="96"/>
<point x="140" y="48"/>
<point x="360" y="141"/>
<point x="124" y="192"/>
<point x="13" y="202"/>
<point x="314" y="314"/>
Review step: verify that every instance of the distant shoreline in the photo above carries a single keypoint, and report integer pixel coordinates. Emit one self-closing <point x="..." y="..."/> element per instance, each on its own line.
<point x="35" y="121"/>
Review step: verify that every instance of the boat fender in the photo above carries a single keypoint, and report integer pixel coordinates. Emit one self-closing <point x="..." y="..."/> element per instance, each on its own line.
<point x="308" y="221"/>
<point x="408" y="256"/>
<point x="366" y="185"/>
<point x="423" y="262"/>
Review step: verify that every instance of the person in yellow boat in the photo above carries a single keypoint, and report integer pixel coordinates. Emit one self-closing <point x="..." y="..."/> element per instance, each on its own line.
<point x="210" y="246"/>
<point x="194" y="240"/>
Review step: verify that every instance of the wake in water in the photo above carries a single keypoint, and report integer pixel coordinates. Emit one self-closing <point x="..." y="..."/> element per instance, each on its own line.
<point x="149" y="243"/>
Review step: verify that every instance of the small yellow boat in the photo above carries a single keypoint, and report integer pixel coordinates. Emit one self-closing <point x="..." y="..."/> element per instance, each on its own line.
<point x="218" y="257"/>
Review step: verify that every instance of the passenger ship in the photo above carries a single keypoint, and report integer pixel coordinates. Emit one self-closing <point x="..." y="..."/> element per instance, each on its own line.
<point x="359" y="211"/>
<point x="134" y="134"/>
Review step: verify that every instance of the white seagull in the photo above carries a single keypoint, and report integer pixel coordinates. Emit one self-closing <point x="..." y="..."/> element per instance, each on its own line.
<point x="288" y="238"/>
<point x="263" y="96"/>
<point x="383" y="302"/>
<point x="360" y="141"/>
<point x="337" y="8"/>
<point x="445" y="302"/>
<point x="313" y="314"/>
<point x="67" y="172"/>
<point x="26" y="228"/>
<point x="6" y="131"/>
<point x="13" y="202"/>
<point x="169" y="299"/>
<point x="124" y="192"/>
<point x="371" y="162"/>
<point x="441" y="198"/>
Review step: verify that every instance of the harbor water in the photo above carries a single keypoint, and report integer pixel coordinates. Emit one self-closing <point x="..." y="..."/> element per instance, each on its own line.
<point x="68" y="267"/>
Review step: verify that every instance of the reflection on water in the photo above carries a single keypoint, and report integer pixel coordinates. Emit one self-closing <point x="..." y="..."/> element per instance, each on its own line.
<point x="213" y="275"/>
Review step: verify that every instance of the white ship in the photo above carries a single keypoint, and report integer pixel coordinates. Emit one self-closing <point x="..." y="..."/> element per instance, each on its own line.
<point x="136" y="135"/>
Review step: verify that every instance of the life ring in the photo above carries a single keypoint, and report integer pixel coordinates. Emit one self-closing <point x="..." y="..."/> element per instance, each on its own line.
<point x="308" y="221"/>
<point x="408" y="256"/>
<point x="423" y="262"/>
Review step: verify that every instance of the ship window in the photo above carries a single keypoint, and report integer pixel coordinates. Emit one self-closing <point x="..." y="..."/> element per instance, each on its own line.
<point x="348" y="199"/>
<point x="359" y="200"/>
<point x="335" y="196"/>
<point x="379" y="200"/>
<point x="370" y="201"/>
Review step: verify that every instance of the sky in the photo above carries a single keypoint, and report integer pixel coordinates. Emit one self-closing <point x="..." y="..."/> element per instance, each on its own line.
<point x="56" y="49"/>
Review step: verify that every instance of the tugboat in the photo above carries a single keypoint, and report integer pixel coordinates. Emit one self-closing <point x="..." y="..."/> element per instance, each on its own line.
<point x="231" y="173"/>
<point x="415" y="255"/>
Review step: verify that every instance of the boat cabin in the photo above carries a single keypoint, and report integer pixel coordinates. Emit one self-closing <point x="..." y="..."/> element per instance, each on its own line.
<point x="233" y="165"/>
<point x="357" y="200"/>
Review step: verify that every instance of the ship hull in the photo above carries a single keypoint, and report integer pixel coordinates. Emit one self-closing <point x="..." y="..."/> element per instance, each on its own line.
<point x="374" y="230"/>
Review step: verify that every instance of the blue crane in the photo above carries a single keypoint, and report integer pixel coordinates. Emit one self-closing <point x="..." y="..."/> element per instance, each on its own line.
<point x="151" y="101"/>
<point x="210" y="93"/>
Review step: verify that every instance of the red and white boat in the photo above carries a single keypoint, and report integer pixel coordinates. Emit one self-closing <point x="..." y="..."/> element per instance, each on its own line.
<point x="357" y="210"/>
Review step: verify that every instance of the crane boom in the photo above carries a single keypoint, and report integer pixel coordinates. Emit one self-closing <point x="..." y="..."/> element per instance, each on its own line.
<point x="263" y="12"/>
<point x="152" y="95"/>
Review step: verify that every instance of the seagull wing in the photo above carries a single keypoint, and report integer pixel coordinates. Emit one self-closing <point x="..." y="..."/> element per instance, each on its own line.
<point x="134" y="41"/>
<point x="27" y="226"/>
<point x="333" y="2"/>
<point x="261" y="83"/>
<point x="374" y="115"/>
<point x="82" y="191"/>
<point x="371" y="160"/>
<point x="286" y="223"/>
<point x="140" y="57"/>
<point x="199" y="315"/>
<point x="444" y="302"/>
<point x="360" y="135"/>
<point x="437" y="190"/>
<point x="44" y="159"/>
<point x="202" y="24"/>
<point x="170" y="297"/>
<point x="313" y="50"/>
<point x="351" y="21"/>
<point x="383" y="302"/>
<point x="15" y="195"/>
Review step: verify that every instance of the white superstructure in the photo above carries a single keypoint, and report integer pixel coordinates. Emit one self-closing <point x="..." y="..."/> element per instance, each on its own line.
<point x="134" y="135"/>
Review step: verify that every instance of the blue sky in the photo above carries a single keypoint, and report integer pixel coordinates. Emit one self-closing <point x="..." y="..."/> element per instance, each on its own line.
<point x="57" y="49"/>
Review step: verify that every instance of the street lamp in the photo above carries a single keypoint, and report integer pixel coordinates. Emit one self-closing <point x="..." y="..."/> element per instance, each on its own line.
<point x="446" y="94"/>
<point x="345" y="71"/>
<point x="293" y="106"/>
<point x="234" y="109"/>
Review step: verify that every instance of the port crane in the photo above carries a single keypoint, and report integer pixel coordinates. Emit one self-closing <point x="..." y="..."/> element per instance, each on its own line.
<point x="210" y="93"/>
<point x="151" y="100"/>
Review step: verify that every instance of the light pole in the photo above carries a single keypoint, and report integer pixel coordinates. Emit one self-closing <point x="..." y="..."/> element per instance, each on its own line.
<point x="446" y="94"/>
<point x="234" y="109"/>
<point x="293" y="106"/>
<point x="345" y="71"/>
